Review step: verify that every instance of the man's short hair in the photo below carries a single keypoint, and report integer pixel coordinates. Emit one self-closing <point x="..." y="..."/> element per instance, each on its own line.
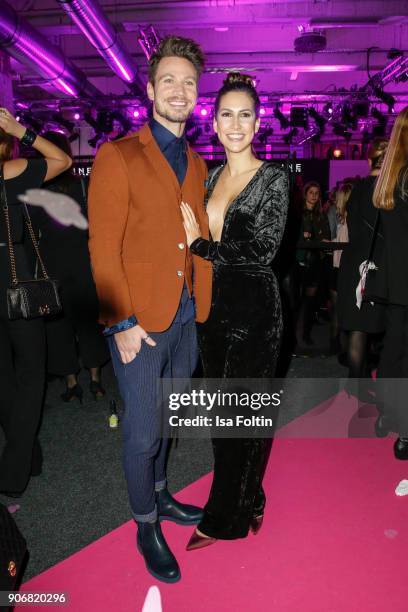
<point x="175" y="46"/>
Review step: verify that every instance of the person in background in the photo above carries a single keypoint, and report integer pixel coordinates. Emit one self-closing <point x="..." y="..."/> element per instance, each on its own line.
<point x="76" y="333"/>
<point x="331" y="211"/>
<point x="22" y="341"/>
<point x="342" y="196"/>
<point x="315" y="227"/>
<point x="360" y="324"/>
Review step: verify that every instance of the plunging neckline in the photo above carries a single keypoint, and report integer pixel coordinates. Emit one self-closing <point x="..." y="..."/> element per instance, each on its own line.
<point x="231" y="204"/>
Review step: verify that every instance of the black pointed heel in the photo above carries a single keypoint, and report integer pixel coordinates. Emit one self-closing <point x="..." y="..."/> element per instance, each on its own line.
<point x="255" y="523"/>
<point x="199" y="541"/>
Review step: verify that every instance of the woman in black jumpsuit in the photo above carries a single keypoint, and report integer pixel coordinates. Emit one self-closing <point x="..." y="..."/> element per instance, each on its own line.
<point x="241" y="338"/>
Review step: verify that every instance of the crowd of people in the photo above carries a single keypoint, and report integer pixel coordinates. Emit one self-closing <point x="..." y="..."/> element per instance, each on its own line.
<point x="181" y="263"/>
<point x="323" y="274"/>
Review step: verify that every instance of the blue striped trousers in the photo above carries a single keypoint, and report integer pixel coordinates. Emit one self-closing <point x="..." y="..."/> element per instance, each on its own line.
<point x="144" y="448"/>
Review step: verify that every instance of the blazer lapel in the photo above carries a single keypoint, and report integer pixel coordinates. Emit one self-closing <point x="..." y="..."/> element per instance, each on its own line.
<point x="192" y="178"/>
<point x="159" y="163"/>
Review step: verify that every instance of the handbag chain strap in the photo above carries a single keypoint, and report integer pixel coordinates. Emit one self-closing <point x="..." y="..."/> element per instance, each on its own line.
<point x="14" y="278"/>
<point x="34" y="241"/>
<point x="374" y="236"/>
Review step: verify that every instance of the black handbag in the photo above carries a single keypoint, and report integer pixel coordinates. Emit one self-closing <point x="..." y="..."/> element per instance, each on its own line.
<point x="13" y="549"/>
<point x="37" y="297"/>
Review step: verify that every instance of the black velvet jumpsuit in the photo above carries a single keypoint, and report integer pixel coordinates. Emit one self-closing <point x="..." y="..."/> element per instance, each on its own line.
<point x="241" y="338"/>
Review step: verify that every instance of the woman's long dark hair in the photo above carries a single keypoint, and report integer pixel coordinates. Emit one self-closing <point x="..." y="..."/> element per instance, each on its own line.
<point x="8" y="146"/>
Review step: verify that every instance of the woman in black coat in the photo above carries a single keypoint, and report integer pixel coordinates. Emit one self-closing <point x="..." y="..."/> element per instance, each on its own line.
<point x="22" y="341"/>
<point x="361" y="219"/>
<point x="391" y="197"/>
<point x="76" y="332"/>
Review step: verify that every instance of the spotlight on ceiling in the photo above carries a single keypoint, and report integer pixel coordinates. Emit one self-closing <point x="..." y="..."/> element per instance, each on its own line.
<point x="328" y="108"/>
<point x="317" y="136"/>
<point x="310" y="42"/>
<point x="65" y="123"/>
<point x="381" y="127"/>
<point x="348" y="118"/>
<point x="317" y="118"/>
<point x="284" y="122"/>
<point x="288" y="138"/>
<point x="265" y="134"/>
<point x="378" y="114"/>
<point x="104" y="119"/>
<point x="124" y="123"/>
<point x="299" y="117"/>
<point x="92" y="122"/>
<point x="341" y="130"/>
<point x="385" y="97"/>
<point x="361" y="109"/>
<point x="382" y="120"/>
<point x="149" y="41"/>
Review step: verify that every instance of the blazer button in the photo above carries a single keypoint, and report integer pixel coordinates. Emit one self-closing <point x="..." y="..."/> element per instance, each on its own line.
<point x="179" y="273"/>
<point x="181" y="245"/>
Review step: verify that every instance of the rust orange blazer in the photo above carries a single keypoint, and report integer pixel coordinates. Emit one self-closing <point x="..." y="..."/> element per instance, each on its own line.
<point x="137" y="241"/>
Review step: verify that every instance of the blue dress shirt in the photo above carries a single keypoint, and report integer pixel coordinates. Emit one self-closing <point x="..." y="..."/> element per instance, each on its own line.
<point x="175" y="151"/>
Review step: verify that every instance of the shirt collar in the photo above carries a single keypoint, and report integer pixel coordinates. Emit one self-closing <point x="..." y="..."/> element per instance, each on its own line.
<point x="163" y="136"/>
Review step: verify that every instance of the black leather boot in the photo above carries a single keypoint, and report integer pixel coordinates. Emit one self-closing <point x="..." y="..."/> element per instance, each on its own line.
<point x="401" y="448"/>
<point x="169" y="509"/>
<point x="160" y="561"/>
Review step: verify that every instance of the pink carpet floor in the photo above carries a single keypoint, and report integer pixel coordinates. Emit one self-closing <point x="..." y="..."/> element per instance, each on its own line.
<point x="335" y="538"/>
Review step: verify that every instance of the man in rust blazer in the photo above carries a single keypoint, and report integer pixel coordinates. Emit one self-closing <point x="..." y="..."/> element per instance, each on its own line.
<point x="150" y="287"/>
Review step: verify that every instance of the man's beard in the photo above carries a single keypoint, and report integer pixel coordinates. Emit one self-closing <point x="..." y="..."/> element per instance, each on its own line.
<point x="175" y="116"/>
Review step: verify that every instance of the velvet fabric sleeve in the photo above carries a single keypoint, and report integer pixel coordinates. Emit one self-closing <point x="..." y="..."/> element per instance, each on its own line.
<point x="269" y="223"/>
